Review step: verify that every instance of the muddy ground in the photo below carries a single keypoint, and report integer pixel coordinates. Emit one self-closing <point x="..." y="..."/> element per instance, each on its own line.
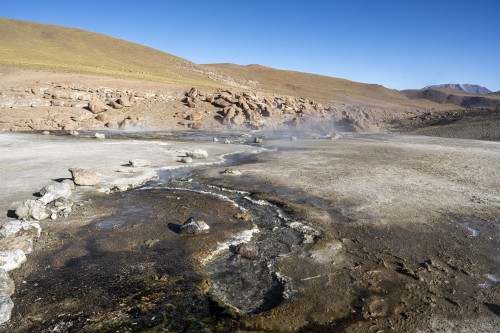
<point x="409" y="233"/>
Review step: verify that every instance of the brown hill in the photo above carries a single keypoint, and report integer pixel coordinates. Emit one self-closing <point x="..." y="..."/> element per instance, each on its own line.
<point x="451" y="96"/>
<point x="323" y="88"/>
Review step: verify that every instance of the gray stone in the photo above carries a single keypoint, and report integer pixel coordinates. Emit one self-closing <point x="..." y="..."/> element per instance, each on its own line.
<point x="6" y="306"/>
<point x="32" y="209"/>
<point x="139" y="163"/>
<point x="85" y="177"/>
<point x="191" y="226"/>
<point x="19" y="228"/>
<point x="70" y="183"/>
<point x="197" y="154"/>
<point x="55" y="191"/>
<point x="247" y="251"/>
<point x="11" y="259"/>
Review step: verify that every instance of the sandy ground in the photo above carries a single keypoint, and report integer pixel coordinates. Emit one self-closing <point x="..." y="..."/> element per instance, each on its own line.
<point x="409" y="224"/>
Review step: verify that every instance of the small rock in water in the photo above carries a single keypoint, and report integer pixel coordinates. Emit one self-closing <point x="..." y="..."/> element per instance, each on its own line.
<point x="257" y="140"/>
<point x="32" y="209"/>
<point x="186" y="160"/>
<point x="293" y="138"/>
<point x="53" y="216"/>
<point x="247" y="251"/>
<point x="191" y="226"/>
<point x="203" y="225"/>
<point x="197" y="154"/>
<point x="336" y="137"/>
<point x="11" y="259"/>
<point x="6" y="306"/>
<point x="139" y="163"/>
<point x="19" y="228"/>
<point x="46" y="132"/>
<point x="227" y="141"/>
<point x="100" y="136"/>
<point x="216" y="140"/>
<point x="85" y="177"/>
<point x="74" y="133"/>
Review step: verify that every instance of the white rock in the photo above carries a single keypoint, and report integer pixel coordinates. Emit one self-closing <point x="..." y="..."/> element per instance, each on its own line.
<point x="11" y="259"/>
<point x="7" y="286"/>
<point x="19" y="228"/>
<point x="203" y="225"/>
<point x="6" y="306"/>
<point x="197" y="154"/>
<point x="46" y="132"/>
<point x="139" y="163"/>
<point x="32" y="209"/>
<point x="85" y="177"/>
<point x="55" y="191"/>
<point x="186" y="160"/>
<point x="100" y="136"/>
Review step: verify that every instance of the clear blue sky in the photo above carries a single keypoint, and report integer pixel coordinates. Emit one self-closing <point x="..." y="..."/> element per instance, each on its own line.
<point x="400" y="44"/>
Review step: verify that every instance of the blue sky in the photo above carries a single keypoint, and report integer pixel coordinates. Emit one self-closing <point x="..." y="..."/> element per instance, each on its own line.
<point x="399" y="44"/>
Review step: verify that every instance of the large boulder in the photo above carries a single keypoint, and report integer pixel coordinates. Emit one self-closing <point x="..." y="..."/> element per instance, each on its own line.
<point x="97" y="106"/>
<point x="11" y="259"/>
<point x="197" y="154"/>
<point x="85" y="177"/>
<point x="32" y="209"/>
<point x="55" y="191"/>
<point x="18" y="228"/>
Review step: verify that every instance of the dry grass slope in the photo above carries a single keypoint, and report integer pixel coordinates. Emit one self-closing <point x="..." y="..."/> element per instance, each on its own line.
<point x="323" y="88"/>
<point x="44" y="46"/>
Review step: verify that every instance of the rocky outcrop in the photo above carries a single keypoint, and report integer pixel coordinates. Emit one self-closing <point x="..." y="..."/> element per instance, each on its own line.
<point x="250" y="110"/>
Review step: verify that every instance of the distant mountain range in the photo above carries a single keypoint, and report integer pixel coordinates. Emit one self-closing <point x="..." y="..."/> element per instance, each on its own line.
<point x="470" y="88"/>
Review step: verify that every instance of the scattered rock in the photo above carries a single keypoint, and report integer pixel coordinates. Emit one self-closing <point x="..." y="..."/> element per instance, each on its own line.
<point x="97" y="106"/>
<point x="197" y="154"/>
<point x="337" y="137"/>
<point x="125" y="101"/>
<point x="20" y="242"/>
<point x="6" y="306"/>
<point x="257" y="140"/>
<point x="216" y="140"/>
<point x="227" y="141"/>
<point x="11" y="259"/>
<point x="85" y="177"/>
<point x="32" y="209"/>
<point x="112" y="125"/>
<point x="74" y="133"/>
<point x="100" y="136"/>
<point x="55" y="191"/>
<point x="139" y="163"/>
<point x="293" y="138"/>
<point x="20" y="228"/>
<point x="191" y="226"/>
<point x="102" y="117"/>
<point x="186" y="160"/>
<point x="115" y="104"/>
<point x="46" y="132"/>
<point x="193" y="92"/>
<point x="247" y="251"/>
